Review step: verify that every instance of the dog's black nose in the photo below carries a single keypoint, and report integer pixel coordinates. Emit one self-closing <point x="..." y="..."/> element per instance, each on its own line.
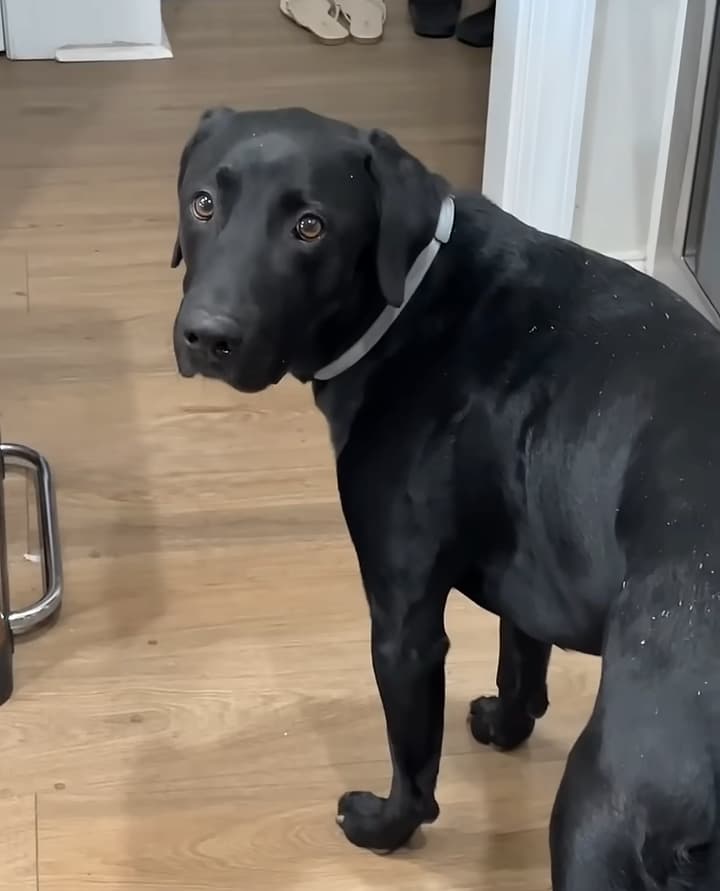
<point x="213" y="336"/>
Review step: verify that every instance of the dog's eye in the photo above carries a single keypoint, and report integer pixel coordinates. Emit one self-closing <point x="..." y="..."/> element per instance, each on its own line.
<point x="309" y="227"/>
<point x="203" y="207"/>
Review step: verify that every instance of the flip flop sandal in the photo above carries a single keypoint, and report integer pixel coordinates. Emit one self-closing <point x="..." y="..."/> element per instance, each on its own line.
<point x="365" y="17"/>
<point x="316" y="16"/>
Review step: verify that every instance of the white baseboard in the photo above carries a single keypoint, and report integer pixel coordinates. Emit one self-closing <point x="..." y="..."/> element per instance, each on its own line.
<point x="637" y="261"/>
<point x="115" y="52"/>
<point x="640" y="265"/>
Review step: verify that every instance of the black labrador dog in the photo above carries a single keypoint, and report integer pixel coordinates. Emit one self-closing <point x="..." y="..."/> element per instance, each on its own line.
<point x="513" y="416"/>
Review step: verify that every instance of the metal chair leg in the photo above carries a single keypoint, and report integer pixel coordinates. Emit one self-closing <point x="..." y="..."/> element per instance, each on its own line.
<point x="6" y="638"/>
<point x="28" y="460"/>
<point x="14" y="457"/>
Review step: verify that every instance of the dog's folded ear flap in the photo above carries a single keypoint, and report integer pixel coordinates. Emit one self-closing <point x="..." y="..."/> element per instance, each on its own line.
<point x="409" y="199"/>
<point x="177" y="254"/>
<point x="209" y="122"/>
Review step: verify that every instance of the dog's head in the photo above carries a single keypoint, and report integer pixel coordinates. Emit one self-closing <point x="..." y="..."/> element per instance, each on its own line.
<point x="293" y="229"/>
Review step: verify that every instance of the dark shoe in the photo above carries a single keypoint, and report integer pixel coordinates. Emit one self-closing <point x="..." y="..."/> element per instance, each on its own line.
<point x="434" y="18"/>
<point x="477" y="29"/>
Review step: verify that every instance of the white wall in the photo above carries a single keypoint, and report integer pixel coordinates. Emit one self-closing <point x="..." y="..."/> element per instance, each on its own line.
<point x="631" y="67"/>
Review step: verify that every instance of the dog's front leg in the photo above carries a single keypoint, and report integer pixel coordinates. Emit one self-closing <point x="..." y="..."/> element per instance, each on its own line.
<point x="508" y="719"/>
<point x="409" y="646"/>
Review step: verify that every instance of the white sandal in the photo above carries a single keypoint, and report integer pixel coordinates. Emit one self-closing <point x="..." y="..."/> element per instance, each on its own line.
<point x="317" y="17"/>
<point x="365" y="17"/>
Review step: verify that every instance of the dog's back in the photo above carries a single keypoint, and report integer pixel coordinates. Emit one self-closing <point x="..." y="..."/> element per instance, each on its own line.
<point x="600" y="386"/>
<point x="631" y="439"/>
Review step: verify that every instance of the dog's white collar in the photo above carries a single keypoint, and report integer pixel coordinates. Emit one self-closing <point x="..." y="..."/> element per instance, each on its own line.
<point x="413" y="280"/>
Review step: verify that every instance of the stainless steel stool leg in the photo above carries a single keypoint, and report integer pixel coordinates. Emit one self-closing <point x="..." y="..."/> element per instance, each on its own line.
<point x="28" y="460"/>
<point x="21" y="458"/>
<point x="6" y="638"/>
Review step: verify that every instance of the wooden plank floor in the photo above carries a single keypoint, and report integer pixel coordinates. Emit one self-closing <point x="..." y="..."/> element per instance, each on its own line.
<point x="207" y="694"/>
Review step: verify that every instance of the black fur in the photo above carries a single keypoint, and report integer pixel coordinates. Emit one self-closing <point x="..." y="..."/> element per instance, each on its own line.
<point x="539" y="430"/>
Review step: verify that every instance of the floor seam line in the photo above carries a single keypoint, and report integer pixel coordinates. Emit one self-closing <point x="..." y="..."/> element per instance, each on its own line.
<point x="37" y="846"/>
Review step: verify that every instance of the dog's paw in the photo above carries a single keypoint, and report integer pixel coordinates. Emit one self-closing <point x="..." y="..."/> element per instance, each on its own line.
<point x="369" y="821"/>
<point x="493" y="724"/>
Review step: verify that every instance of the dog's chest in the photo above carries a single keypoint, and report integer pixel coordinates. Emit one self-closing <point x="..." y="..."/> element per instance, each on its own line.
<point x="547" y="605"/>
<point x="340" y="405"/>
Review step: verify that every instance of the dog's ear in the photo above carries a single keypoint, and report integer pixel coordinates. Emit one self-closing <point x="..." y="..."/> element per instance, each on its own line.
<point x="409" y="198"/>
<point x="177" y="253"/>
<point x="209" y="122"/>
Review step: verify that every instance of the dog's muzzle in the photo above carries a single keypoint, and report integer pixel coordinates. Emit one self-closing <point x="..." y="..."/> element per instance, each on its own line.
<point x="206" y="343"/>
<point x="215" y="345"/>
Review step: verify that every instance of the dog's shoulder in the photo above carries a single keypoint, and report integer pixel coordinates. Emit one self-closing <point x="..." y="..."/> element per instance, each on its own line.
<point x="522" y="282"/>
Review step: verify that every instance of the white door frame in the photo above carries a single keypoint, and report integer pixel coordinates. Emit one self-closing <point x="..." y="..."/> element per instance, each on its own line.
<point x="538" y="84"/>
<point x="684" y="119"/>
<point x="538" y="88"/>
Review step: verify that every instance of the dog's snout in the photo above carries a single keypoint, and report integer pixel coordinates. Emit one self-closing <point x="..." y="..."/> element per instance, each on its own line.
<point x="211" y="335"/>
